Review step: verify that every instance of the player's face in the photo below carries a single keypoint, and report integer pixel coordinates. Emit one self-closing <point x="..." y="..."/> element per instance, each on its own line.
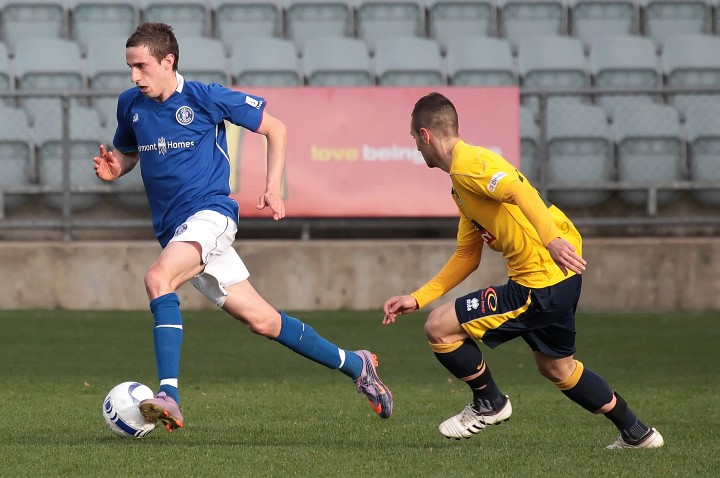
<point x="155" y="79"/>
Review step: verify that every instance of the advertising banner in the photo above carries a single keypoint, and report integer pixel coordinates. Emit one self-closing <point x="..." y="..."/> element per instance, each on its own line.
<point x="350" y="153"/>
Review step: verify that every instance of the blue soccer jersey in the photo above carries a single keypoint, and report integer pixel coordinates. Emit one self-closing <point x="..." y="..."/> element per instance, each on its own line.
<point x="183" y="150"/>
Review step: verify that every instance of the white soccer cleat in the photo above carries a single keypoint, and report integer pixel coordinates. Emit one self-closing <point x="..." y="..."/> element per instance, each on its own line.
<point x="469" y="422"/>
<point x="653" y="440"/>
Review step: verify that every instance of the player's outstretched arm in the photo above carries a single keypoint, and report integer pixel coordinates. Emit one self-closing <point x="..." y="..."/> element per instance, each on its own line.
<point x="400" y="304"/>
<point x="110" y="165"/>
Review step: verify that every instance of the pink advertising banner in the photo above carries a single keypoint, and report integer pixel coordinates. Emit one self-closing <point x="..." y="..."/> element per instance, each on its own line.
<point x="350" y="153"/>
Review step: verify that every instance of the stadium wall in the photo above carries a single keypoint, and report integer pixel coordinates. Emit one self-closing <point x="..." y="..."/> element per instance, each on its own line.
<point x="633" y="274"/>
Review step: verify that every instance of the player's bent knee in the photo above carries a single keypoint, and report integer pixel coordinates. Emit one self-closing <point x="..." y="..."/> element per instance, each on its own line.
<point x="557" y="370"/>
<point x="154" y="282"/>
<point x="437" y="326"/>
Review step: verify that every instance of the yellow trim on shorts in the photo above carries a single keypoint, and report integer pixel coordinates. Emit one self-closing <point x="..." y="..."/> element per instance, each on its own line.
<point x="477" y="328"/>
<point x="445" y="348"/>
<point x="573" y="379"/>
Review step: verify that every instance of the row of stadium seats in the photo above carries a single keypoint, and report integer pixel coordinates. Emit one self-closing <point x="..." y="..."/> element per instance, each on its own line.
<point x="589" y="157"/>
<point x="84" y="21"/>
<point x="644" y="143"/>
<point x="612" y="61"/>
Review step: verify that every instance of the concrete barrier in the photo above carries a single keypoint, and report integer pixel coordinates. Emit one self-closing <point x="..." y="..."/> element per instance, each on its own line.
<point x="633" y="274"/>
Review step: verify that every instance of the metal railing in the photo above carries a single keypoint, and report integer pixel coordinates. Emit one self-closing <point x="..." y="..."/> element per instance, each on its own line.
<point x="68" y="222"/>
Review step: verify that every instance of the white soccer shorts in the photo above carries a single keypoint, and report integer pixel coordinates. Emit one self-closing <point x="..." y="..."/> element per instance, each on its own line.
<point x="215" y="233"/>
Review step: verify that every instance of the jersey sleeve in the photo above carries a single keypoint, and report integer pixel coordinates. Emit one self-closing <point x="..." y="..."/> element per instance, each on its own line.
<point x="533" y="208"/>
<point x="124" y="139"/>
<point x="239" y="108"/>
<point x="461" y="264"/>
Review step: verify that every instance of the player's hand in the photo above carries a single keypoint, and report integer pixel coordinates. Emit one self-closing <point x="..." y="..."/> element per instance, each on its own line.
<point x="400" y="304"/>
<point x="563" y="253"/>
<point x="107" y="166"/>
<point x="274" y="202"/>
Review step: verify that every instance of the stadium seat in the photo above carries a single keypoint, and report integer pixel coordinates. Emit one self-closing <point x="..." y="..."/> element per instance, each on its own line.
<point x="330" y="61"/>
<point x="49" y="64"/>
<point x="264" y="61"/>
<point x="703" y="135"/>
<point x="105" y="64"/>
<point x="305" y="19"/>
<point x="94" y="20"/>
<point x="579" y="152"/>
<point x="234" y="19"/>
<point x="480" y="61"/>
<point x="624" y="61"/>
<point x="529" y="149"/>
<point x="204" y="60"/>
<point x="650" y="150"/>
<point x="526" y="18"/>
<point x="449" y="19"/>
<point x="595" y="18"/>
<point x="691" y="61"/>
<point x="377" y="19"/>
<point x="17" y="157"/>
<point x="85" y="134"/>
<point x="107" y="72"/>
<point x="23" y="19"/>
<point x="106" y="106"/>
<point x="552" y="62"/>
<point x="6" y="73"/>
<point x="408" y="61"/>
<point x="665" y="18"/>
<point x="189" y="18"/>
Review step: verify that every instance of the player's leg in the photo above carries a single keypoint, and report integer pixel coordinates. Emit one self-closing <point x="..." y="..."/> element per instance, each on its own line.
<point x="451" y="329"/>
<point x="225" y="282"/>
<point x="177" y="263"/>
<point x="592" y="392"/>
<point x="245" y="304"/>
<point x="554" y="347"/>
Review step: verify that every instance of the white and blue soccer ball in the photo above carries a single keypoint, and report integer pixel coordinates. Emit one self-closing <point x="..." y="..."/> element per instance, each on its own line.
<point x="121" y="410"/>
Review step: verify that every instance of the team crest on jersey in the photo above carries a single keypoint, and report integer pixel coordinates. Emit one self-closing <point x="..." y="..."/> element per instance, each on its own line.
<point x="180" y="229"/>
<point x="184" y="115"/>
<point x="135" y="118"/>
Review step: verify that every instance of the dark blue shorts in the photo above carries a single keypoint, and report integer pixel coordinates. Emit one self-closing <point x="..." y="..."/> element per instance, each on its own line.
<point x="544" y="318"/>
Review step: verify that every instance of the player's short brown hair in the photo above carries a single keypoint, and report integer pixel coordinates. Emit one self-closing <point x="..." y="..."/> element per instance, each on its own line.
<point x="436" y="113"/>
<point x="159" y="38"/>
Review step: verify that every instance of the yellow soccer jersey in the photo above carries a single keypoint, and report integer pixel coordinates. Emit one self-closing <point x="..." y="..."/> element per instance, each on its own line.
<point x="499" y="207"/>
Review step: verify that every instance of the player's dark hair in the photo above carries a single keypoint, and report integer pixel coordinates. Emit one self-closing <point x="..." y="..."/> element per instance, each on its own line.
<point x="436" y="113"/>
<point x="159" y="38"/>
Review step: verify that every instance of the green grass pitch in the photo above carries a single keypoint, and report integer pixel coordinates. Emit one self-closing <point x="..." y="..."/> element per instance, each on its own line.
<point x="254" y="409"/>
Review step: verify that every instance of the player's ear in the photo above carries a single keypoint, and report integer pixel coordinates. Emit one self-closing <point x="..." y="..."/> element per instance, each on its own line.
<point x="425" y="135"/>
<point x="168" y="61"/>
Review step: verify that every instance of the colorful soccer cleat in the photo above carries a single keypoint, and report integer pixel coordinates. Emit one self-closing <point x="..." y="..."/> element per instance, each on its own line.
<point x="370" y="385"/>
<point x="162" y="408"/>
<point x="653" y="440"/>
<point x="471" y="421"/>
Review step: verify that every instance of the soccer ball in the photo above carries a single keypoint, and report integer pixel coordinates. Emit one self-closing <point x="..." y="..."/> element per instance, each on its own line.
<point x="121" y="412"/>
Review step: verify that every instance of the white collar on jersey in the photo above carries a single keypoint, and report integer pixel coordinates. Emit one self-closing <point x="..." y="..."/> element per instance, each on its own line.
<point x="181" y="82"/>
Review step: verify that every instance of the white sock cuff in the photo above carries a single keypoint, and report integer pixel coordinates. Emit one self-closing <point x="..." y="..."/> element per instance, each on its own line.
<point x="342" y="357"/>
<point x="173" y="382"/>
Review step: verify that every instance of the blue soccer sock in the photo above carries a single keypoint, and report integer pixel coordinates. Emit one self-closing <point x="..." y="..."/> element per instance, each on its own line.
<point x="167" y="337"/>
<point x="302" y="339"/>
